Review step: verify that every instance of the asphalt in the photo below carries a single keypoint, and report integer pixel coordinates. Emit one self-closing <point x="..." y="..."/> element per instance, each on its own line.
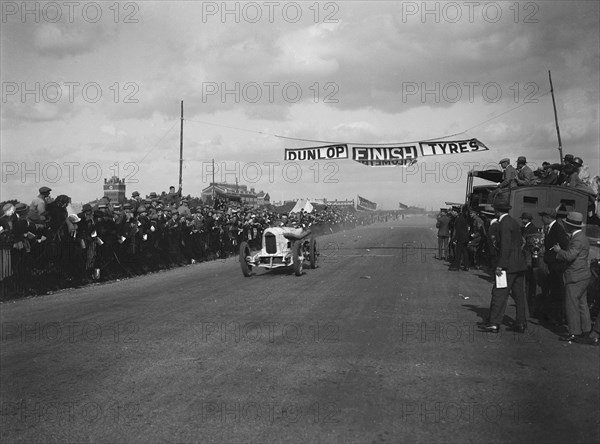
<point x="378" y="344"/>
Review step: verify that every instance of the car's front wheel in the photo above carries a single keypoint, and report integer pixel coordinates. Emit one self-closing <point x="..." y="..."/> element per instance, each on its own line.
<point x="314" y="253"/>
<point x="298" y="258"/>
<point x="244" y="254"/>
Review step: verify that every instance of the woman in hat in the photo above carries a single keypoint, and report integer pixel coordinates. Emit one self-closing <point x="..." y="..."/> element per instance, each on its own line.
<point x="576" y="278"/>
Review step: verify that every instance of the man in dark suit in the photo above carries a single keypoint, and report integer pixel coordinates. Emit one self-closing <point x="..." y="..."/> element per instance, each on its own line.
<point x="529" y="230"/>
<point x="511" y="260"/>
<point x="576" y="277"/>
<point x="461" y="237"/>
<point x="554" y="233"/>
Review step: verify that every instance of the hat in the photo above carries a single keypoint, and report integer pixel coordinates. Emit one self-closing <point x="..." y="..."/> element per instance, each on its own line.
<point x="74" y="218"/>
<point x="501" y="206"/>
<point x="548" y="212"/>
<point x="102" y="206"/>
<point x="506" y="159"/>
<point x="561" y="211"/>
<point x="141" y="209"/>
<point x="127" y="206"/>
<point x="574" y="219"/>
<point x="45" y="190"/>
<point x="63" y="198"/>
<point x="578" y="161"/>
<point x="153" y="195"/>
<point x="86" y="207"/>
<point x="488" y="210"/>
<point x="568" y="158"/>
<point x="21" y="208"/>
<point x="135" y="194"/>
<point x="526" y="215"/>
<point x="521" y="159"/>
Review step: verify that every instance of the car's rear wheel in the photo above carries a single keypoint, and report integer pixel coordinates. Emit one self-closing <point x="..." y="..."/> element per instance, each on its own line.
<point x="298" y="258"/>
<point x="244" y="253"/>
<point x="314" y="253"/>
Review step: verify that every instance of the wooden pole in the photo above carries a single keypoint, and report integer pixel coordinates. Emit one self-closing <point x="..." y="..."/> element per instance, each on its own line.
<point x="181" y="152"/>
<point x="213" y="180"/>
<point x="556" y="119"/>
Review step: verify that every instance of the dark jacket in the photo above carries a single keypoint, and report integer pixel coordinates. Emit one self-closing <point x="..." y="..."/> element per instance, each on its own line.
<point x="510" y="257"/>
<point x="443" y="226"/>
<point x="461" y="229"/>
<point x="556" y="235"/>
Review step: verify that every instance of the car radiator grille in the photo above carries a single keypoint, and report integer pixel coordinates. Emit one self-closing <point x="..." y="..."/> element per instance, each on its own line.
<point x="270" y="243"/>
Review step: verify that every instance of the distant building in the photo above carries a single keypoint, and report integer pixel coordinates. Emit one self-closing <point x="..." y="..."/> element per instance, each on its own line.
<point x="114" y="189"/>
<point x="236" y="193"/>
<point x="339" y="203"/>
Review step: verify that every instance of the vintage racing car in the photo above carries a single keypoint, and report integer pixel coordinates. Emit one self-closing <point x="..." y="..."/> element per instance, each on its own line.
<point x="281" y="247"/>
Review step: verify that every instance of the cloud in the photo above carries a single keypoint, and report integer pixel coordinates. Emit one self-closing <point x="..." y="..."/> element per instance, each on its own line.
<point x="67" y="39"/>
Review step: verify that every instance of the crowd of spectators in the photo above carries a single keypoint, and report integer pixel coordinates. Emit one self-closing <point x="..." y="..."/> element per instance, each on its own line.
<point x="46" y="245"/>
<point x="570" y="173"/>
<point x="468" y="239"/>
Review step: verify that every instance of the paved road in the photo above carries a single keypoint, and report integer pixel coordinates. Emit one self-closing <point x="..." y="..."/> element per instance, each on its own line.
<point x="377" y="345"/>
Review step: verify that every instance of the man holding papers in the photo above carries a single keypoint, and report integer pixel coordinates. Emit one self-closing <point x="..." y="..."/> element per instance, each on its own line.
<point x="510" y="272"/>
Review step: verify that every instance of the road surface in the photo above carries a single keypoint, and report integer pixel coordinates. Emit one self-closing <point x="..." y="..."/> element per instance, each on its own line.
<point x="379" y="344"/>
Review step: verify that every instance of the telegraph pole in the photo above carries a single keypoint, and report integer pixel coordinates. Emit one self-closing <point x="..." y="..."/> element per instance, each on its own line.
<point x="181" y="152"/>
<point x="556" y="119"/>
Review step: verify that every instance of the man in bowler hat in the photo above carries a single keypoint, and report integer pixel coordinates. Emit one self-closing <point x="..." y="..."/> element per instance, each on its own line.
<point x="511" y="260"/>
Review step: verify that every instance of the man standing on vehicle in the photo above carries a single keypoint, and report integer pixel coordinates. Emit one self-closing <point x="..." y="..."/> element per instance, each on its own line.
<point x="511" y="261"/>
<point x="509" y="178"/>
<point x="524" y="174"/>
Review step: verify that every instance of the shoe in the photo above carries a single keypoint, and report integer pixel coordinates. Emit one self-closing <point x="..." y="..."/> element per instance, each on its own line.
<point x="587" y="340"/>
<point x="491" y="328"/>
<point x="567" y="338"/>
<point x="518" y="328"/>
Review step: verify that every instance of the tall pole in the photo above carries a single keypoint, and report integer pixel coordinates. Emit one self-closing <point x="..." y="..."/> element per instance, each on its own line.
<point x="181" y="151"/>
<point x="556" y="119"/>
<point x="213" y="180"/>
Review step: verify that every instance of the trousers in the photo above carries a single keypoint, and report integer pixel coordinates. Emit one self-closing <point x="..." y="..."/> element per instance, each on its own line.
<point x="516" y="282"/>
<point x="576" y="307"/>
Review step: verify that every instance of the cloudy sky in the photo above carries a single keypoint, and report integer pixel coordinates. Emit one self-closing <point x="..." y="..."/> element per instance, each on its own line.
<point x="93" y="89"/>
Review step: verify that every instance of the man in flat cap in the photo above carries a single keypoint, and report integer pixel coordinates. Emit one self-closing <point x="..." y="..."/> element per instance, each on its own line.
<point x="554" y="233"/>
<point x="576" y="278"/>
<point x="135" y="200"/>
<point x="509" y="174"/>
<point x="38" y="206"/>
<point x="509" y="178"/>
<point x="511" y="262"/>
<point x="524" y="174"/>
